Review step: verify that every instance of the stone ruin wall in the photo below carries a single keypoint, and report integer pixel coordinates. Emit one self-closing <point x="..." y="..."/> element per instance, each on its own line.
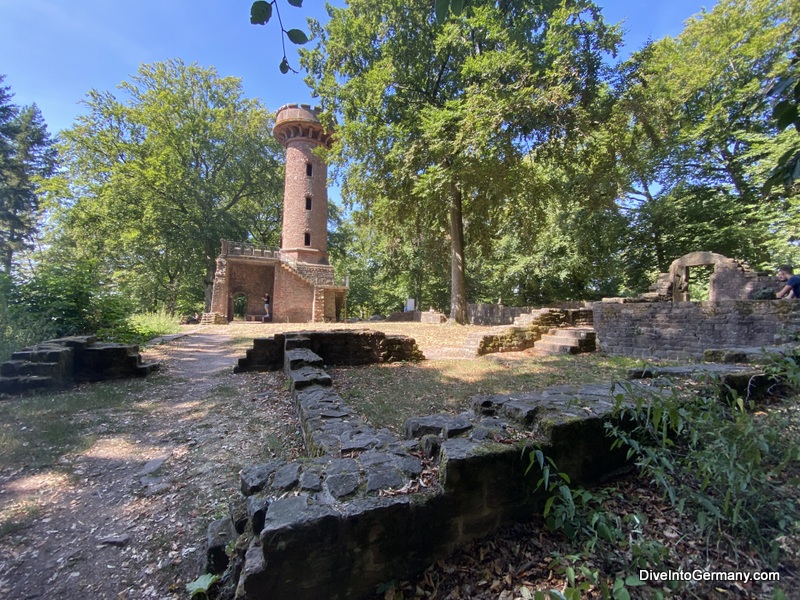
<point x="498" y="314"/>
<point x="686" y="329"/>
<point x="329" y="525"/>
<point x="60" y="363"/>
<point x="664" y="323"/>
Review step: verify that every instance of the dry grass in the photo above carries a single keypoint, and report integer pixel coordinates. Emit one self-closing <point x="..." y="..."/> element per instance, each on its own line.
<point x="386" y="395"/>
<point x="427" y="336"/>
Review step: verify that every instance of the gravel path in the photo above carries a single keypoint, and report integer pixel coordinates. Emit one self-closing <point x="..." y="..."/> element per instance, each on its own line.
<point x="124" y="516"/>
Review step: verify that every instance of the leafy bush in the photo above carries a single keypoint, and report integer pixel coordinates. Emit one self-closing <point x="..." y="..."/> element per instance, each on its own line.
<point x="18" y="330"/>
<point x="71" y="297"/>
<point x="153" y="324"/>
<point x="725" y="465"/>
<point x="581" y="515"/>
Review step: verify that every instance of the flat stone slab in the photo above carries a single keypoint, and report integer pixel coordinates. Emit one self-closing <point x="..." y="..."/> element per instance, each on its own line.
<point x="442" y="424"/>
<point x="748" y="354"/>
<point x="691" y="371"/>
<point x="308" y="376"/>
<point x="301" y="357"/>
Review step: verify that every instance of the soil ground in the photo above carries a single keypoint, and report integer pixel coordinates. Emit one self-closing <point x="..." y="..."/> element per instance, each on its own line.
<point x="125" y="515"/>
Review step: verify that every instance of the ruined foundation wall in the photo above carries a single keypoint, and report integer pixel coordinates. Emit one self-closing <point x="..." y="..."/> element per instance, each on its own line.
<point x="685" y="329"/>
<point x="497" y="314"/>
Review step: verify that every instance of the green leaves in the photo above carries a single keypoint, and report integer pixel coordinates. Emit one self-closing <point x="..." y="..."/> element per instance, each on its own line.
<point x="201" y="585"/>
<point x="209" y="171"/>
<point x="444" y="7"/>
<point x="260" y="12"/>
<point x="296" y="36"/>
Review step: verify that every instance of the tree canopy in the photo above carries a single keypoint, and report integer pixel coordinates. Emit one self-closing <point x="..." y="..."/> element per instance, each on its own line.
<point x="26" y="156"/>
<point x="568" y="175"/>
<point x="435" y="116"/>
<point x="487" y="151"/>
<point x="154" y="179"/>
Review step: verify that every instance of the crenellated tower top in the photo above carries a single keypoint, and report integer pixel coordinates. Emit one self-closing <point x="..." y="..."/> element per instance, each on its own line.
<point x="299" y="121"/>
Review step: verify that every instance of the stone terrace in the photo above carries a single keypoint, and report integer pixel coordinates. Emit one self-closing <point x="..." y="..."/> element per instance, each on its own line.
<point x="366" y="507"/>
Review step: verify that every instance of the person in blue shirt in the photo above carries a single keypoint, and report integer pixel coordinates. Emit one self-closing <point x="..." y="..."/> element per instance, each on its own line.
<point x="791" y="288"/>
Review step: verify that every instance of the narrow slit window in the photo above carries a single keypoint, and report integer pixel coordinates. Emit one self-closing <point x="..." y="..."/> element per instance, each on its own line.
<point x="309" y="169"/>
<point x="307" y="239"/>
<point x="308" y="202"/>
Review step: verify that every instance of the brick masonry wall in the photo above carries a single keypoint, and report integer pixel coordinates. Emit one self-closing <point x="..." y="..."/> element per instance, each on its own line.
<point x="298" y="185"/>
<point x="685" y="329"/>
<point x="219" y="296"/>
<point x="293" y="300"/>
<point x="252" y="280"/>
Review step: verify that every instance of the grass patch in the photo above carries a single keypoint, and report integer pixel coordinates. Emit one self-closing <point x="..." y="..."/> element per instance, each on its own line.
<point x="36" y="430"/>
<point x="388" y="394"/>
<point x="16" y="517"/>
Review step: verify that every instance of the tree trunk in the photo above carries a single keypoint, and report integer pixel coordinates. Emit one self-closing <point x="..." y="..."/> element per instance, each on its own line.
<point x="458" y="288"/>
<point x="208" y="283"/>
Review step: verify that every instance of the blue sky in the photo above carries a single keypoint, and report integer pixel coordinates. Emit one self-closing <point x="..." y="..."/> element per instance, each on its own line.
<point x="53" y="52"/>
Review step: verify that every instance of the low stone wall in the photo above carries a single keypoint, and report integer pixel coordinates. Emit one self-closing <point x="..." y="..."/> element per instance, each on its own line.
<point x="335" y="347"/>
<point x="61" y="362"/>
<point x="532" y="326"/>
<point x="494" y="314"/>
<point x="497" y="314"/>
<point x="417" y="316"/>
<point x="367" y="507"/>
<point x="686" y="329"/>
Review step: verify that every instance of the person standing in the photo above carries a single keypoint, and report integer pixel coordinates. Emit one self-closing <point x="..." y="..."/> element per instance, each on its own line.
<point x="266" y="307"/>
<point x="791" y="289"/>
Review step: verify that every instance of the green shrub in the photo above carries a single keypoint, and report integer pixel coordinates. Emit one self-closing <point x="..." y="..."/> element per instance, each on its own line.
<point x="142" y="327"/>
<point x="18" y="330"/>
<point x="725" y="465"/>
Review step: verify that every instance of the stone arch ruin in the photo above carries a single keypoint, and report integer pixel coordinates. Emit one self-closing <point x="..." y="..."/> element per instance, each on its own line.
<point x="732" y="279"/>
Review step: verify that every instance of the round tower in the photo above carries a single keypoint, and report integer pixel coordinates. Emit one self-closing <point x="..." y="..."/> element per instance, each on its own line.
<point x="304" y="235"/>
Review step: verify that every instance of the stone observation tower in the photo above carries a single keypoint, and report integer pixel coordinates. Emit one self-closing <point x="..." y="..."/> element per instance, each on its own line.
<point x="297" y="276"/>
<point x="305" y="197"/>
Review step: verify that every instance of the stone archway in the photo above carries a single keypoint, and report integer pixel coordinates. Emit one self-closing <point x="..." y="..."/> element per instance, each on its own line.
<point x="731" y="279"/>
<point x="239" y="304"/>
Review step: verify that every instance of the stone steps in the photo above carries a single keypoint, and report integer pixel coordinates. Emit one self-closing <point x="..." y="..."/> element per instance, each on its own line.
<point x="61" y="362"/>
<point x="567" y="340"/>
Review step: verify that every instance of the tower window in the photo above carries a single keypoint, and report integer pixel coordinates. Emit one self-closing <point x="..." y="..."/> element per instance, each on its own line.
<point x="308" y="202"/>
<point x="309" y="169"/>
<point x="307" y="239"/>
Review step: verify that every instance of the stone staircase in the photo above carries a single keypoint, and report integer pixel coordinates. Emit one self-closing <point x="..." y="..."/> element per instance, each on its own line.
<point x="58" y="363"/>
<point x="566" y="340"/>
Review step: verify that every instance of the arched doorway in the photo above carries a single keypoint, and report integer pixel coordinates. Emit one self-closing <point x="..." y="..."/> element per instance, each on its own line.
<point x="239" y="307"/>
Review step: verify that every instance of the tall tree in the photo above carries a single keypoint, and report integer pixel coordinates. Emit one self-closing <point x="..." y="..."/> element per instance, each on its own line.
<point x="155" y="178"/>
<point x="26" y="155"/>
<point x="693" y="137"/>
<point x="435" y="116"/>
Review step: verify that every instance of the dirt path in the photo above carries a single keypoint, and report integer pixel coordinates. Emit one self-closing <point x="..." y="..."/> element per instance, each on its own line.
<point x="124" y="514"/>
